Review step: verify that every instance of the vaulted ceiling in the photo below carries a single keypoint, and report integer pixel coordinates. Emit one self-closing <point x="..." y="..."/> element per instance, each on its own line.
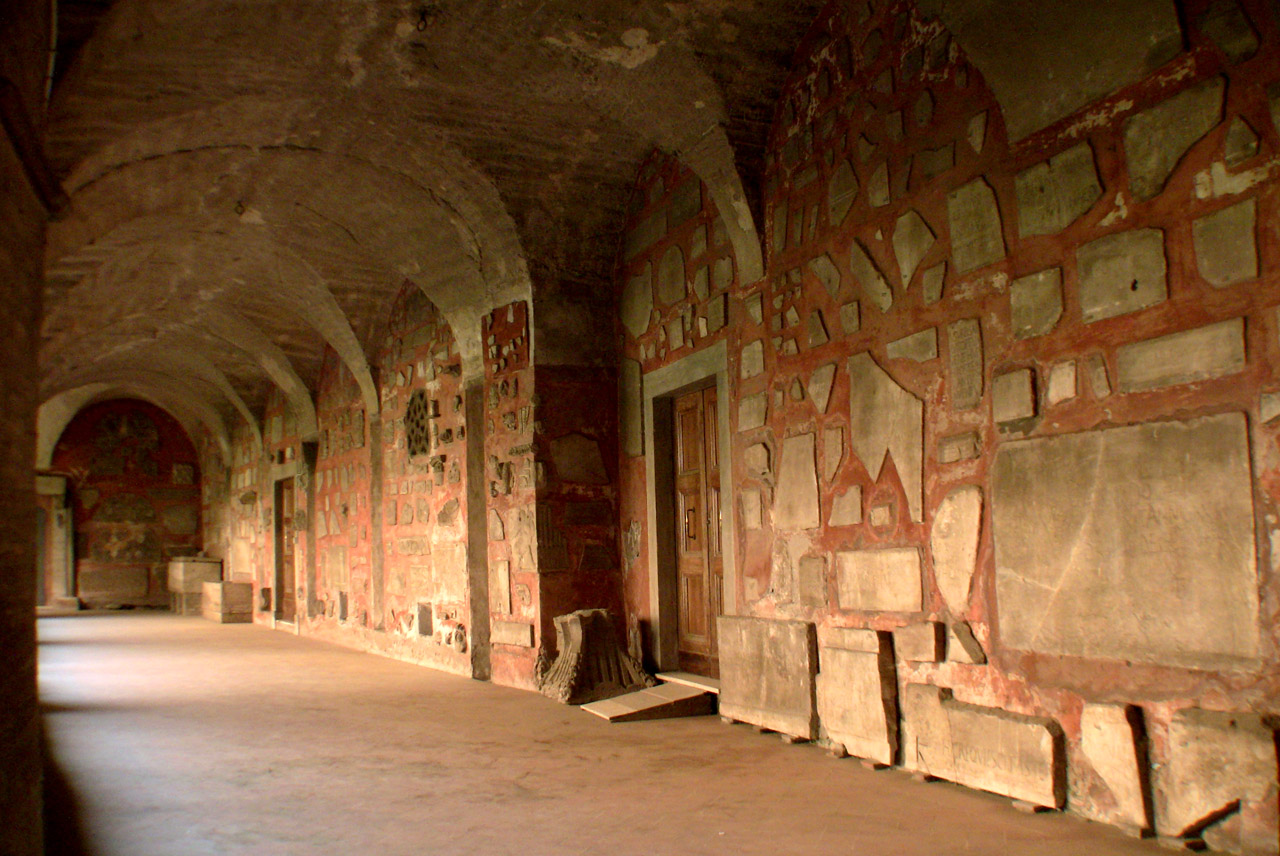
<point x="251" y="181"/>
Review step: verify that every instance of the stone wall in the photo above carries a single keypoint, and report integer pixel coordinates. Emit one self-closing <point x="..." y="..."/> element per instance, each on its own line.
<point x="678" y="290"/>
<point x="24" y="35"/>
<point x="135" y="486"/>
<point x="1011" y="402"/>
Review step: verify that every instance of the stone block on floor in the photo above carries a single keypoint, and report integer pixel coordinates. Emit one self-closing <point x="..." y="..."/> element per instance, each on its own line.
<point x="767" y="670"/>
<point x="857" y="692"/>
<point x="988" y="748"/>
<point x="227" y="603"/>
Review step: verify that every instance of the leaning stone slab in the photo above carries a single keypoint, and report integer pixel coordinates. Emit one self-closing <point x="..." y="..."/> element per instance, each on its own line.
<point x="1216" y="759"/>
<point x="1206" y="352"/>
<point x="987" y="748"/>
<point x="767" y="670"/>
<point x="857" y="693"/>
<point x="1111" y="739"/>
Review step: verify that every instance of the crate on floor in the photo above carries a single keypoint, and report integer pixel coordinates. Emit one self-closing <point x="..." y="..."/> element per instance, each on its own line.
<point x="227" y="603"/>
<point x="186" y="576"/>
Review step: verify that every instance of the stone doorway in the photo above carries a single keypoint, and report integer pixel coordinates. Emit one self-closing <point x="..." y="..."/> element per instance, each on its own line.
<point x="699" y="555"/>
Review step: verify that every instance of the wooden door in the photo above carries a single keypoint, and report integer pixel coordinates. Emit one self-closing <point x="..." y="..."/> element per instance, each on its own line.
<point x="286" y="582"/>
<point x="699" y="562"/>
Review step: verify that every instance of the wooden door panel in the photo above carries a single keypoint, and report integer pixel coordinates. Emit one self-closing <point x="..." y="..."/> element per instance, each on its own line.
<point x="697" y="525"/>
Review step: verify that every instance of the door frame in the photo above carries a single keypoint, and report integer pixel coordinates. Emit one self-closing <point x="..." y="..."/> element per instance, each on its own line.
<point x="277" y="489"/>
<point x="660" y="388"/>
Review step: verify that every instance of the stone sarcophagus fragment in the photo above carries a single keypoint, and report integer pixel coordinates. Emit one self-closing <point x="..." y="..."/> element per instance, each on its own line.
<point x="590" y="664"/>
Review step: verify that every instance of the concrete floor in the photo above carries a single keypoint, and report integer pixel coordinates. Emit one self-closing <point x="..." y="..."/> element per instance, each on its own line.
<point x="181" y="737"/>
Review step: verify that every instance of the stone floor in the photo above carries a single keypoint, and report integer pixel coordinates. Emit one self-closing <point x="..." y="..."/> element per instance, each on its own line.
<point x="181" y="737"/>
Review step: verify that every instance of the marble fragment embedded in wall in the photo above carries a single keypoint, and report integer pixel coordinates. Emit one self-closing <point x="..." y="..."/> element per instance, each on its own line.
<point x="886" y="419"/>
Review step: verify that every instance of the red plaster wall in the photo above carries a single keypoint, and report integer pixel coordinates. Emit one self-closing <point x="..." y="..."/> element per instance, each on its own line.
<point x="658" y="181"/>
<point x="831" y="101"/>
<point x="135" y="483"/>
<point x="511" y="481"/>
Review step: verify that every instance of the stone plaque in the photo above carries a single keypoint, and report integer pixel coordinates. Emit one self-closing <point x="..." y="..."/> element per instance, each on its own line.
<point x="1205" y="352"/>
<point x="1216" y="759"/>
<point x="920" y="347"/>
<point x="1110" y="735"/>
<point x="887" y="419"/>
<point x="1054" y="193"/>
<point x="1132" y="543"/>
<point x="964" y="346"/>
<point x="516" y="633"/>
<point x="954" y="544"/>
<point x="1157" y="138"/>
<point x="976" y="239"/>
<point x="885" y="580"/>
<point x="1121" y="273"/>
<point x="767" y="670"/>
<point x="796" y="503"/>
<point x="1226" y="246"/>
<point x="1035" y="303"/>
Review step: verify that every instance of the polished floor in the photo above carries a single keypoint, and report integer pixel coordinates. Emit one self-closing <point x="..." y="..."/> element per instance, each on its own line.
<point x="179" y="737"/>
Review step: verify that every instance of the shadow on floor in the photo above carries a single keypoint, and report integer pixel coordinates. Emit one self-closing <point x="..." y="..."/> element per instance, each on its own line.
<point x="63" y="829"/>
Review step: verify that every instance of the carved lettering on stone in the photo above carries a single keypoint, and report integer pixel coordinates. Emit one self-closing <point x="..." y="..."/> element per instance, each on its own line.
<point x="964" y="346"/>
<point x="1054" y="193"/>
<point x="983" y="747"/>
<point x="974" y="218"/>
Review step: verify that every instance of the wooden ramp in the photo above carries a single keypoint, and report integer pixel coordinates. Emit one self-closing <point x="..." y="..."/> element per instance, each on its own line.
<point x="679" y="694"/>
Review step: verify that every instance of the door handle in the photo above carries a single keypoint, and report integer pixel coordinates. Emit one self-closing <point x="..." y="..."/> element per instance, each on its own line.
<point x="690" y="524"/>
